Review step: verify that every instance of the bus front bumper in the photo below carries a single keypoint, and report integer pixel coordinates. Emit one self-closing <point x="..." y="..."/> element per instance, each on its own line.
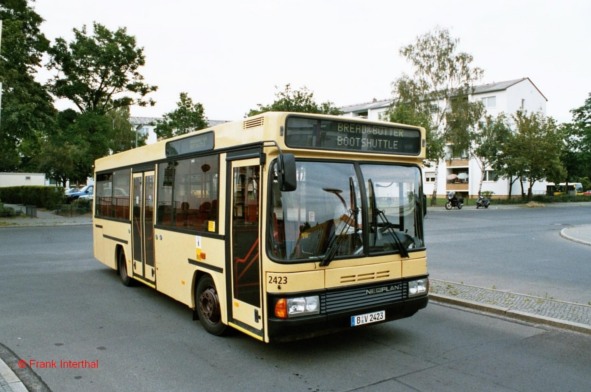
<point x="280" y="330"/>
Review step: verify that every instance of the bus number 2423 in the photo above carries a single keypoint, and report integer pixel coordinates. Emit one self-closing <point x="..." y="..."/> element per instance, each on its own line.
<point x="273" y="279"/>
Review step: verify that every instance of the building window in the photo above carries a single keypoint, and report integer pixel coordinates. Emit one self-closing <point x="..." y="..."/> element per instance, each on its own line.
<point x="430" y="177"/>
<point x="489" y="102"/>
<point x="491" y="175"/>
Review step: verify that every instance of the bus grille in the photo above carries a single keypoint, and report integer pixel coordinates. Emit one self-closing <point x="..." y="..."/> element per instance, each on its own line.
<point x="253" y="122"/>
<point x="359" y="297"/>
<point x="365" y="277"/>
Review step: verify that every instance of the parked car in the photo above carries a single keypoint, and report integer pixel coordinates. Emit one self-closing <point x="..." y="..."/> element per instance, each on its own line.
<point x="587" y="193"/>
<point x="84" y="192"/>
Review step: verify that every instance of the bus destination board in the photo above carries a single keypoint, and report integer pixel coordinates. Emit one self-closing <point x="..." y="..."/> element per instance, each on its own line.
<point x="352" y="136"/>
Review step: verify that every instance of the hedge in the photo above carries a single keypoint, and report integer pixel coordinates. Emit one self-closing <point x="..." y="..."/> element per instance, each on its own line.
<point x="48" y="197"/>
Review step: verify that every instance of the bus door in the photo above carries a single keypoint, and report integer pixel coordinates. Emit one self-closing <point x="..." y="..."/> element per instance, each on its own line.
<point x="143" y="226"/>
<point x="245" y="285"/>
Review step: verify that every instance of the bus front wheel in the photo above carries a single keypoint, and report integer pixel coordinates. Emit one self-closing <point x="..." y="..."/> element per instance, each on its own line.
<point x="208" y="307"/>
<point x="122" y="267"/>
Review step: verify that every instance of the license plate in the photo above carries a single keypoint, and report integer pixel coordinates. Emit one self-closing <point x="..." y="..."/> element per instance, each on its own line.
<point x="368" y="318"/>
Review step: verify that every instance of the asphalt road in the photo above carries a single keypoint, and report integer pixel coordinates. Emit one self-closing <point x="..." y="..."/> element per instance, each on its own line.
<point x="512" y="248"/>
<point x="59" y="304"/>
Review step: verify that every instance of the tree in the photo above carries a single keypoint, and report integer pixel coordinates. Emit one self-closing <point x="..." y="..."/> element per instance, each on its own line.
<point x="187" y="117"/>
<point x="124" y="136"/>
<point x="100" y="75"/>
<point x="489" y="140"/>
<point x="99" y="72"/>
<point x="77" y="141"/>
<point x="27" y="109"/>
<point x="301" y="101"/>
<point x="531" y="163"/>
<point x="577" y="152"/>
<point x="415" y="113"/>
<point x="439" y="89"/>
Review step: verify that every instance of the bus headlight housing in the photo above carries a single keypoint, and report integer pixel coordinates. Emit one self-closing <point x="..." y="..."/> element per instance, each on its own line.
<point x="297" y="306"/>
<point x="418" y="287"/>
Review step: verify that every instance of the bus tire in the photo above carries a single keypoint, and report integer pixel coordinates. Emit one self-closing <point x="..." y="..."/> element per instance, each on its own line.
<point x="208" y="307"/>
<point x="122" y="269"/>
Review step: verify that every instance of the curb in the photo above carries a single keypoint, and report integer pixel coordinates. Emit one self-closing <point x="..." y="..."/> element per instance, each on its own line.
<point x="563" y="234"/>
<point x="17" y="378"/>
<point x="511" y="314"/>
<point x="10" y="380"/>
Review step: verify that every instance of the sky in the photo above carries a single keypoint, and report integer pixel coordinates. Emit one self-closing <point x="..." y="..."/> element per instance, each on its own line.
<point x="231" y="55"/>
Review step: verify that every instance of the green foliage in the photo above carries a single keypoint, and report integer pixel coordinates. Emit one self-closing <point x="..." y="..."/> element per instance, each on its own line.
<point x="413" y="112"/>
<point x="187" y="117"/>
<point x="77" y="207"/>
<point x="40" y="196"/>
<point x="577" y="148"/>
<point x="522" y="159"/>
<point x="6" y="212"/>
<point x="436" y="95"/>
<point x="99" y="72"/>
<point x="461" y="122"/>
<point x="443" y="78"/>
<point x="27" y="108"/>
<point x="70" y="151"/>
<point x="301" y="101"/>
<point x="490" y="138"/>
<point x="123" y="136"/>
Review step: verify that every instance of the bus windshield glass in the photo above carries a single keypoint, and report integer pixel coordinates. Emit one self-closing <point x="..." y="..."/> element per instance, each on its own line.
<point x="344" y="210"/>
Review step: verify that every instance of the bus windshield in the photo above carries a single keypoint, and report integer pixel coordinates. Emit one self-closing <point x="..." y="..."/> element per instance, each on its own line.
<point x="343" y="210"/>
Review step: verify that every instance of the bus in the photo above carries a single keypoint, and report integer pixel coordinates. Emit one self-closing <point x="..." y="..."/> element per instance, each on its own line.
<point x="573" y="188"/>
<point x="282" y="225"/>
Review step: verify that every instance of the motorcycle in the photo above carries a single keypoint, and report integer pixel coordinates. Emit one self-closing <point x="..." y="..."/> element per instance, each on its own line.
<point x="482" y="202"/>
<point x="454" y="201"/>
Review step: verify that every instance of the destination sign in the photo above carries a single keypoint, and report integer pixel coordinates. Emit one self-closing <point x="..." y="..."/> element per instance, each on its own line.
<point x="351" y="136"/>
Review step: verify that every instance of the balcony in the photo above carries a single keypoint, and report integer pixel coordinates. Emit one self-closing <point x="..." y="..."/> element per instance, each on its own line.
<point x="457" y="162"/>
<point x="457" y="187"/>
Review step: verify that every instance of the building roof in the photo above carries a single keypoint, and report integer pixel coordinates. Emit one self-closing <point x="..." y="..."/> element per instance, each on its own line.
<point x="482" y="89"/>
<point x="143" y="120"/>
<point x="375" y="104"/>
<point x="500" y="86"/>
<point x="140" y="121"/>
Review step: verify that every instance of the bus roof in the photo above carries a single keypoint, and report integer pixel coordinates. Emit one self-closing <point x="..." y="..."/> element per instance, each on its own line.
<point x="290" y="131"/>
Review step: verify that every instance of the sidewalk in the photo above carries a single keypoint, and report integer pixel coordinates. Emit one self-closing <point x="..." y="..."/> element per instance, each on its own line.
<point x="44" y="218"/>
<point x="536" y="310"/>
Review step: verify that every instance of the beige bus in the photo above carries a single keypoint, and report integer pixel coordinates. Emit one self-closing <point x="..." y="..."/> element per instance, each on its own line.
<point x="282" y="225"/>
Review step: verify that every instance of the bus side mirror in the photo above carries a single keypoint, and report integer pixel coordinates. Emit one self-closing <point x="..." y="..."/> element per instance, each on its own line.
<point x="287" y="173"/>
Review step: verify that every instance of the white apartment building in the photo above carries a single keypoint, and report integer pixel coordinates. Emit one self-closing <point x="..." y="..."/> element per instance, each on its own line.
<point x="461" y="174"/>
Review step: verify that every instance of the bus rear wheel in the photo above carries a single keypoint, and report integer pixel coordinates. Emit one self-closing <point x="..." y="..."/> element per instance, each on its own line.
<point x="208" y="307"/>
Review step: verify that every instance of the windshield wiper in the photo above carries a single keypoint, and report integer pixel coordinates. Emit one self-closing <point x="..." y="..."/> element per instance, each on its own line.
<point x="389" y="226"/>
<point x="335" y="239"/>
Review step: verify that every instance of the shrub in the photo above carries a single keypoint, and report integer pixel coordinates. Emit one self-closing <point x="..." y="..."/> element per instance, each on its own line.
<point x="39" y="196"/>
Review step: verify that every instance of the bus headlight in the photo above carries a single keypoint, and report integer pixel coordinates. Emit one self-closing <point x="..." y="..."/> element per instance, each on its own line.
<point x="297" y="306"/>
<point x="418" y="287"/>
